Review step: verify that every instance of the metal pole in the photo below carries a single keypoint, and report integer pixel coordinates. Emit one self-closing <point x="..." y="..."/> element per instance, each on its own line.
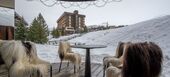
<point x="51" y="70"/>
<point x="87" y="64"/>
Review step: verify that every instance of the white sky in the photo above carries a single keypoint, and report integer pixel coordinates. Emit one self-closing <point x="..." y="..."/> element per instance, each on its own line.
<point x="116" y="13"/>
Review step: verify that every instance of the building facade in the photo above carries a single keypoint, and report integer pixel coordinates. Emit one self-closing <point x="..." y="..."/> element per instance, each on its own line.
<point x="6" y="25"/>
<point x="7" y="20"/>
<point x="70" y="23"/>
<point x="6" y="32"/>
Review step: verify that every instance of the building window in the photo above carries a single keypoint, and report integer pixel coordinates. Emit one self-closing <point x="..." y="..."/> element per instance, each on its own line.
<point x="69" y="21"/>
<point x="79" y="22"/>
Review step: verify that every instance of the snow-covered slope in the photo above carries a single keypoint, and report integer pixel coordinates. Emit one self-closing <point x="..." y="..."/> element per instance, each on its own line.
<point x="55" y="41"/>
<point x="156" y="30"/>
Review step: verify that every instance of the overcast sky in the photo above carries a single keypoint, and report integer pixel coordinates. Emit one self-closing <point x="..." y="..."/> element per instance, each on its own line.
<point x="116" y="13"/>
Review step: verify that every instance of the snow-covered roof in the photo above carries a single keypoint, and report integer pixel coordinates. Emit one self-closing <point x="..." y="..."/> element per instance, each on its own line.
<point x="6" y="17"/>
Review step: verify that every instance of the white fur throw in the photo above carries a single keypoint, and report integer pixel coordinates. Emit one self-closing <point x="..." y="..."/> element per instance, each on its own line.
<point x="21" y="64"/>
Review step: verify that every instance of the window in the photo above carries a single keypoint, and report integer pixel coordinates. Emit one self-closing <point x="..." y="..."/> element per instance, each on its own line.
<point x="69" y="21"/>
<point x="79" y="21"/>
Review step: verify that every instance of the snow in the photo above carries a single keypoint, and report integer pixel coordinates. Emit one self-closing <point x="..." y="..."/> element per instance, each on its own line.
<point x="55" y="41"/>
<point x="6" y="17"/>
<point x="65" y="37"/>
<point x="156" y="30"/>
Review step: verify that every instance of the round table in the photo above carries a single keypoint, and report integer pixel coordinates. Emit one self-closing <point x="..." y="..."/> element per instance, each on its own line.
<point x="87" y="61"/>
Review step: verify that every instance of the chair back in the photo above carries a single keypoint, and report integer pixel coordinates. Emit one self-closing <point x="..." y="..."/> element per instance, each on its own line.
<point x="64" y="48"/>
<point x="68" y="49"/>
<point x="119" y="50"/>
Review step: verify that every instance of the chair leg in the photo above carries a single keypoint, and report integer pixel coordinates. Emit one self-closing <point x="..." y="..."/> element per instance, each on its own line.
<point x="79" y="67"/>
<point x="68" y="64"/>
<point x="60" y="66"/>
<point x="74" y="68"/>
<point x="104" y="70"/>
<point x="8" y="73"/>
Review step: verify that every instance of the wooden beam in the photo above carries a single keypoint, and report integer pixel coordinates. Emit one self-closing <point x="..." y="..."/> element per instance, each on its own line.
<point x="7" y="3"/>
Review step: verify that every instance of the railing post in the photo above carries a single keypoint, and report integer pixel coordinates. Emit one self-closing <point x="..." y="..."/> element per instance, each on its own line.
<point x="8" y="73"/>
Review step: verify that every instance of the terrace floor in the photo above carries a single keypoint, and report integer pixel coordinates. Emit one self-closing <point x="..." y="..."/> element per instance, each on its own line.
<point x="96" y="70"/>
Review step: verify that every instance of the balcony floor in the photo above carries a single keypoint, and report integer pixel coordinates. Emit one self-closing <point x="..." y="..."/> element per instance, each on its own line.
<point x="96" y="70"/>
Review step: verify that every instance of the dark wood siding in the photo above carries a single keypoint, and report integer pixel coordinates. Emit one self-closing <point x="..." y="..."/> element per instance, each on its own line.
<point x="6" y="32"/>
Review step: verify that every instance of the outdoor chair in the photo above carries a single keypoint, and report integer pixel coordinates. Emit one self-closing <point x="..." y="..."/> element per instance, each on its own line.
<point x="113" y="71"/>
<point x="65" y="53"/>
<point x="116" y="60"/>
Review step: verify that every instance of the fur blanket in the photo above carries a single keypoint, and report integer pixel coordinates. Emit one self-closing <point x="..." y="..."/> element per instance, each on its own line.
<point x="113" y="71"/>
<point x="21" y="59"/>
<point x="65" y="53"/>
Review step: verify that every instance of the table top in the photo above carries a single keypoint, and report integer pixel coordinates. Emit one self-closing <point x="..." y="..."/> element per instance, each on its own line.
<point x="88" y="46"/>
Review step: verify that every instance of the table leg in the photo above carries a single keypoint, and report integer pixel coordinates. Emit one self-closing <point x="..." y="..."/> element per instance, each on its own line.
<point x="51" y="70"/>
<point x="87" y="64"/>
